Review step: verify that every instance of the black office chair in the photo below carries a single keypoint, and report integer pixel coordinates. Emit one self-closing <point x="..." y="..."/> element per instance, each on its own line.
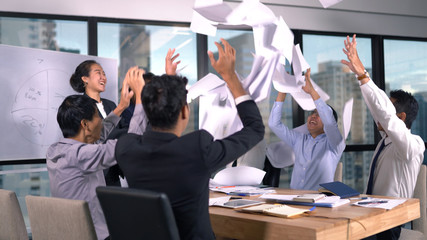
<point x="137" y="214"/>
<point x="272" y="174"/>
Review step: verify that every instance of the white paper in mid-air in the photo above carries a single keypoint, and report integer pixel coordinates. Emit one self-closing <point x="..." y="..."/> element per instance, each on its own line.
<point x="305" y="101"/>
<point x="283" y="40"/>
<point x="328" y="3"/>
<point x="200" y="24"/>
<point x="242" y="175"/>
<point x="347" y="115"/>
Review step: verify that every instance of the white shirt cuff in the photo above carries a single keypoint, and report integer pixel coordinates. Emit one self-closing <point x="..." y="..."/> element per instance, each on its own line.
<point x="242" y="99"/>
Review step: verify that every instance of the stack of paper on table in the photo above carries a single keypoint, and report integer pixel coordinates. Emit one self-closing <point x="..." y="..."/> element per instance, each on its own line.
<point x="276" y="210"/>
<point x="328" y="201"/>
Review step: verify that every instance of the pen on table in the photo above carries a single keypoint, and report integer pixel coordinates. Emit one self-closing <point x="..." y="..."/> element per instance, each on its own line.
<point x="372" y="202"/>
<point x="311" y="209"/>
<point x="233" y="198"/>
<point x="359" y="198"/>
<point x="238" y="194"/>
<point x="225" y="187"/>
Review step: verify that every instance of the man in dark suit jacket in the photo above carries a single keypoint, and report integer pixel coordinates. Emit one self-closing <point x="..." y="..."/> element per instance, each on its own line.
<point x="164" y="161"/>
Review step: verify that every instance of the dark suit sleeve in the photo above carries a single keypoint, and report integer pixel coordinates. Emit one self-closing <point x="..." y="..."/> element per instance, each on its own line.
<point x="220" y="152"/>
<point x="121" y="127"/>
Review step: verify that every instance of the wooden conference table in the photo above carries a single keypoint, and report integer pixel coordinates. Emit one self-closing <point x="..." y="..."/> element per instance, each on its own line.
<point x="343" y="222"/>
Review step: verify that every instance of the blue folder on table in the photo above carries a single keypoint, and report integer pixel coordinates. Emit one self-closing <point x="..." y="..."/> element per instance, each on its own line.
<point x="339" y="189"/>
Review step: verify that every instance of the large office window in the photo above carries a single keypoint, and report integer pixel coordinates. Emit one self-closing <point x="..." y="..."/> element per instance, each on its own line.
<point x="57" y="35"/>
<point x="324" y="53"/>
<point x="146" y="46"/>
<point x="243" y="42"/>
<point x="405" y="67"/>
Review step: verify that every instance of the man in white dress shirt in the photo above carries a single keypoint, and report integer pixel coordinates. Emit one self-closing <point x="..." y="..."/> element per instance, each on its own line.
<point x="394" y="171"/>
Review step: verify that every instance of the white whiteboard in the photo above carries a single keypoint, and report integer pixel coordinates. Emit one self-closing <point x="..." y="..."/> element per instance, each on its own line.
<point x="33" y="83"/>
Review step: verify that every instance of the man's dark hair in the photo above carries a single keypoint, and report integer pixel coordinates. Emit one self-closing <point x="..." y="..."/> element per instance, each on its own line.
<point x="82" y="70"/>
<point x="405" y="102"/>
<point x="334" y="113"/>
<point x="72" y="111"/>
<point x="163" y="98"/>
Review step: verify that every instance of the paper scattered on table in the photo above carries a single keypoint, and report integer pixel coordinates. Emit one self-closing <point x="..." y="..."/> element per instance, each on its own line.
<point x="242" y="175"/>
<point x="218" y="201"/>
<point x="328" y="201"/>
<point x="379" y="203"/>
<point x="242" y="190"/>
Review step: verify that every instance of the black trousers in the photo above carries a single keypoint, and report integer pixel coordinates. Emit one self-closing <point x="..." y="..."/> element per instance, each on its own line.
<point x="391" y="234"/>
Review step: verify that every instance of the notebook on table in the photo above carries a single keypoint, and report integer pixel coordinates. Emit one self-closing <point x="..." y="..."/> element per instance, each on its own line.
<point x="339" y="189"/>
<point x="277" y="210"/>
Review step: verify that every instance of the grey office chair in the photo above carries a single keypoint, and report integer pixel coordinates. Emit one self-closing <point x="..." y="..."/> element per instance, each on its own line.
<point x="12" y="225"/>
<point x="419" y="226"/>
<point x="57" y="218"/>
<point x="137" y="214"/>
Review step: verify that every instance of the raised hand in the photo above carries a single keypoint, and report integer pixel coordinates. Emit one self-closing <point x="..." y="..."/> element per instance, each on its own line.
<point x="308" y="87"/>
<point x="170" y="64"/>
<point x="353" y="62"/>
<point x="226" y="59"/>
<point x="225" y="67"/>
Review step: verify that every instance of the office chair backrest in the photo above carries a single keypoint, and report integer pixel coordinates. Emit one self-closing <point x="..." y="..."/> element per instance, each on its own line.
<point x="419" y="226"/>
<point x="12" y="225"/>
<point x="338" y="172"/>
<point x="58" y="218"/>
<point x="137" y="214"/>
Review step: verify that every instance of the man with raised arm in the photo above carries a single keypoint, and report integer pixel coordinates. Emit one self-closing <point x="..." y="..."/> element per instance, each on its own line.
<point x="399" y="154"/>
<point x="317" y="152"/>
<point x="75" y="163"/>
<point x="164" y="160"/>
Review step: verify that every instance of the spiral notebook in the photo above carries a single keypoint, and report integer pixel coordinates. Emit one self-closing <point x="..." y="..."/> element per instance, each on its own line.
<point x="278" y="210"/>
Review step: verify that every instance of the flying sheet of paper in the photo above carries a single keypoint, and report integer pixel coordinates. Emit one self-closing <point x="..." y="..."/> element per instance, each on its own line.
<point x="284" y="82"/>
<point x="203" y="86"/>
<point x="242" y="175"/>
<point x="255" y="157"/>
<point x="305" y="101"/>
<point x="328" y="3"/>
<point x="263" y="37"/>
<point x="252" y="13"/>
<point x="218" y="116"/>
<point x="347" y="114"/>
<point x="280" y="154"/>
<point x="206" y="3"/>
<point x="283" y="40"/>
<point x="299" y="63"/>
<point x="258" y="83"/>
<point x="200" y="24"/>
<point x="217" y="12"/>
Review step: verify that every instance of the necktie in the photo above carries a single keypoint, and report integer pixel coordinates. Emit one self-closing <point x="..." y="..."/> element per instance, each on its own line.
<point x="374" y="164"/>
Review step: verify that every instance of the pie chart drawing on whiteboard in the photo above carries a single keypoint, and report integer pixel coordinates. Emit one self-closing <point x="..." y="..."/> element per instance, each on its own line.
<point x="36" y="105"/>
